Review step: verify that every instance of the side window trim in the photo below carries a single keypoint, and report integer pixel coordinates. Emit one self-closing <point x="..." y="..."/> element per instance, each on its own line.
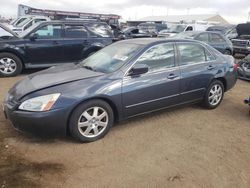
<point x="153" y="72"/>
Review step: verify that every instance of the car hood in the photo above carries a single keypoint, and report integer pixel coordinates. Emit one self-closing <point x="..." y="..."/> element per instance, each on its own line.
<point x="51" y="77"/>
<point x="243" y="29"/>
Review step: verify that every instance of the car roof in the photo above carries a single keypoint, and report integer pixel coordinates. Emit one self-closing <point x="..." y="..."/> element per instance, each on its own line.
<point x="152" y="41"/>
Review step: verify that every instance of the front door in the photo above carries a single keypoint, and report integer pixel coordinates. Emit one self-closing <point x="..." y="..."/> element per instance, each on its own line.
<point x="158" y="88"/>
<point x="47" y="46"/>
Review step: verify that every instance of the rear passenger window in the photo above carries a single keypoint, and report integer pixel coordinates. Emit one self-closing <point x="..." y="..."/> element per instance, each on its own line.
<point x="203" y="37"/>
<point x="75" y="31"/>
<point x="158" y="57"/>
<point x="191" y="54"/>
<point x="99" y="29"/>
<point x="215" y="38"/>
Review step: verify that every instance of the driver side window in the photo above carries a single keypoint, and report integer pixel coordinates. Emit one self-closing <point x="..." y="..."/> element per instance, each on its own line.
<point x="158" y="57"/>
<point x="49" y="32"/>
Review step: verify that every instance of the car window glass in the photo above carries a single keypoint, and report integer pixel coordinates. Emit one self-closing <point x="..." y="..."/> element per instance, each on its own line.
<point x="189" y="28"/>
<point x="158" y="57"/>
<point x="99" y="29"/>
<point x="203" y="37"/>
<point x="39" y="20"/>
<point x="27" y="26"/>
<point x="75" y="31"/>
<point x="49" y="32"/>
<point x="215" y="38"/>
<point x="209" y="56"/>
<point x="191" y="54"/>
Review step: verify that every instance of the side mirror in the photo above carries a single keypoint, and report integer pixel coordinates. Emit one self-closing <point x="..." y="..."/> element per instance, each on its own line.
<point x="33" y="36"/>
<point x="138" y="69"/>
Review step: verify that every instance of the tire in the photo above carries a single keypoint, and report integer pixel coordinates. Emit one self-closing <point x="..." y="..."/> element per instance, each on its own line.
<point x="210" y="102"/>
<point x="228" y="52"/>
<point x="10" y="65"/>
<point x="84" y="123"/>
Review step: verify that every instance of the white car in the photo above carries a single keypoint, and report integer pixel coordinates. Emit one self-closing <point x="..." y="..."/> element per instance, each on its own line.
<point x="21" y="24"/>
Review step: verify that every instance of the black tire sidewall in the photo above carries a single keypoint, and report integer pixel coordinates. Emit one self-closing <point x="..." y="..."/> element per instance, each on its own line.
<point x="18" y="63"/>
<point x="73" y="122"/>
<point x="206" y="98"/>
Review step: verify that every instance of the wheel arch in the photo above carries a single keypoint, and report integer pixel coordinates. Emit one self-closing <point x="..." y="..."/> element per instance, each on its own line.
<point x="223" y="80"/>
<point x="105" y="99"/>
<point x="16" y="53"/>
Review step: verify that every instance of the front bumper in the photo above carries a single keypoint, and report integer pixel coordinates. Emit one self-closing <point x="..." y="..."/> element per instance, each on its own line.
<point x="48" y="123"/>
<point x="241" y="50"/>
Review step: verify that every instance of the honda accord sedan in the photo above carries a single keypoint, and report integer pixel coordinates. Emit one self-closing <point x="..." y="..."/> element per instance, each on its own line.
<point x="123" y="80"/>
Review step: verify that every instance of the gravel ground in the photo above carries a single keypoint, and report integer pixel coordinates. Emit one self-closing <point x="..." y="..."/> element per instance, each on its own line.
<point x="181" y="147"/>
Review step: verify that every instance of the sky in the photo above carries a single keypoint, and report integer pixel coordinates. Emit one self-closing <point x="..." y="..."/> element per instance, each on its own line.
<point x="234" y="11"/>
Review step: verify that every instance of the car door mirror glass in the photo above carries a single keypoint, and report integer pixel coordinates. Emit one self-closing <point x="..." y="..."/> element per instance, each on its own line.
<point x="138" y="69"/>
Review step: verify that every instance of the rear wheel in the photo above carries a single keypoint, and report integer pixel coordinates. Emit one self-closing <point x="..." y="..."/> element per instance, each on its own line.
<point x="10" y="65"/>
<point x="214" y="95"/>
<point x="91" y="121"/>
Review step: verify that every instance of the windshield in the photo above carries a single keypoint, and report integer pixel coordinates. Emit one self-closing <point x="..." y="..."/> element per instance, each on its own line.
<point x="111" y="58"/>
<point x="22" y="23"/>
<point x="176" y="28"/>
<point x="27" y="31"/>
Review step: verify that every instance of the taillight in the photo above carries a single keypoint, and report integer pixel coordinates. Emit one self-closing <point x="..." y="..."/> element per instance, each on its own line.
<point x="236" y="66"/>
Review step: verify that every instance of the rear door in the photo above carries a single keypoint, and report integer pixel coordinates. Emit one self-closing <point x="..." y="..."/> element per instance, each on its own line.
<point x="197" y="69"/>
<point x="47" y="48"/>
<point x="158" y="88"/>
<point x="75" y="42"/>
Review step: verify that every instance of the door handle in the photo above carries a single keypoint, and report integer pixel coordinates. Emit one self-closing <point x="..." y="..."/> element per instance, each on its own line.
<point x="211" y="67"/>
<point x="172" y="76"/>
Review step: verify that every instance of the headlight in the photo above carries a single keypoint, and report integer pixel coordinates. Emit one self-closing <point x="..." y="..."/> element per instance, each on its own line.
<point x="42" y="103"/>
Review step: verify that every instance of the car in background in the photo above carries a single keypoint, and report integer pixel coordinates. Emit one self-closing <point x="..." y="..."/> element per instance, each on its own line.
<point x="51" y="43"/>
<point x="241" y="44"/>
<point x="26" y="22"/>
<point x="125" y="79"/>
<point x="6" y="33"/>
<point x="174" y="29"/>
<point x="244" y="68"/>
<point x="214" y="39"/>
<point x="228" y="31"/>
<point x="132" y="32"/>
<point x="152" y="28"/>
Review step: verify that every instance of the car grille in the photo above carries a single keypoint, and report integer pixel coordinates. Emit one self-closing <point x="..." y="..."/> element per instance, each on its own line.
<point x="241" y="43"/>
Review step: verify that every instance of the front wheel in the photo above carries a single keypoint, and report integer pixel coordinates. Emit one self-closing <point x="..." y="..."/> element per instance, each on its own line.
<point x="91" y="121"/>
<point x="10" y="65"/>
<point x="214" y="95"/>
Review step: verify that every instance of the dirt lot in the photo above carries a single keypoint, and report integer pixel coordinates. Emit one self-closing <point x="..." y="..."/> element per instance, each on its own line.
<point x="182" y="147"/>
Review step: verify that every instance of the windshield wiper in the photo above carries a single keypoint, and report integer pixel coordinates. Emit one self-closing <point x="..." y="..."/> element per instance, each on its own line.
<point x="89" y="68"/>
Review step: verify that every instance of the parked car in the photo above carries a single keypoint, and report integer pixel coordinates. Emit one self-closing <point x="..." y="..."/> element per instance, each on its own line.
<point x="214" y="39"/>
<point x="123" y="80"/>
<point x="152" y="28"/>
<point x="228" y="31"/>
<point x="133" y="32"/>
<point x="6" y="33"/>
<point x="241" y="44"/>
<point x="244" y="68"/>
<point x="174" y="29"/>
<point x="52" y="43"/>
<point x="25" y="22"/>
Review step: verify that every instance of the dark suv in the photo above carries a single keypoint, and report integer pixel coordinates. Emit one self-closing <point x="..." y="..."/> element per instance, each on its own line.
<point x="51" y="43"/>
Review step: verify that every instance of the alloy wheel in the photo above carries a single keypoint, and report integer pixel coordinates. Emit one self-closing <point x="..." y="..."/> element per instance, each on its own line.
<point x="215" y="95"/>
<point x="7" y="65"/>
<point x="93" y="122"/>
